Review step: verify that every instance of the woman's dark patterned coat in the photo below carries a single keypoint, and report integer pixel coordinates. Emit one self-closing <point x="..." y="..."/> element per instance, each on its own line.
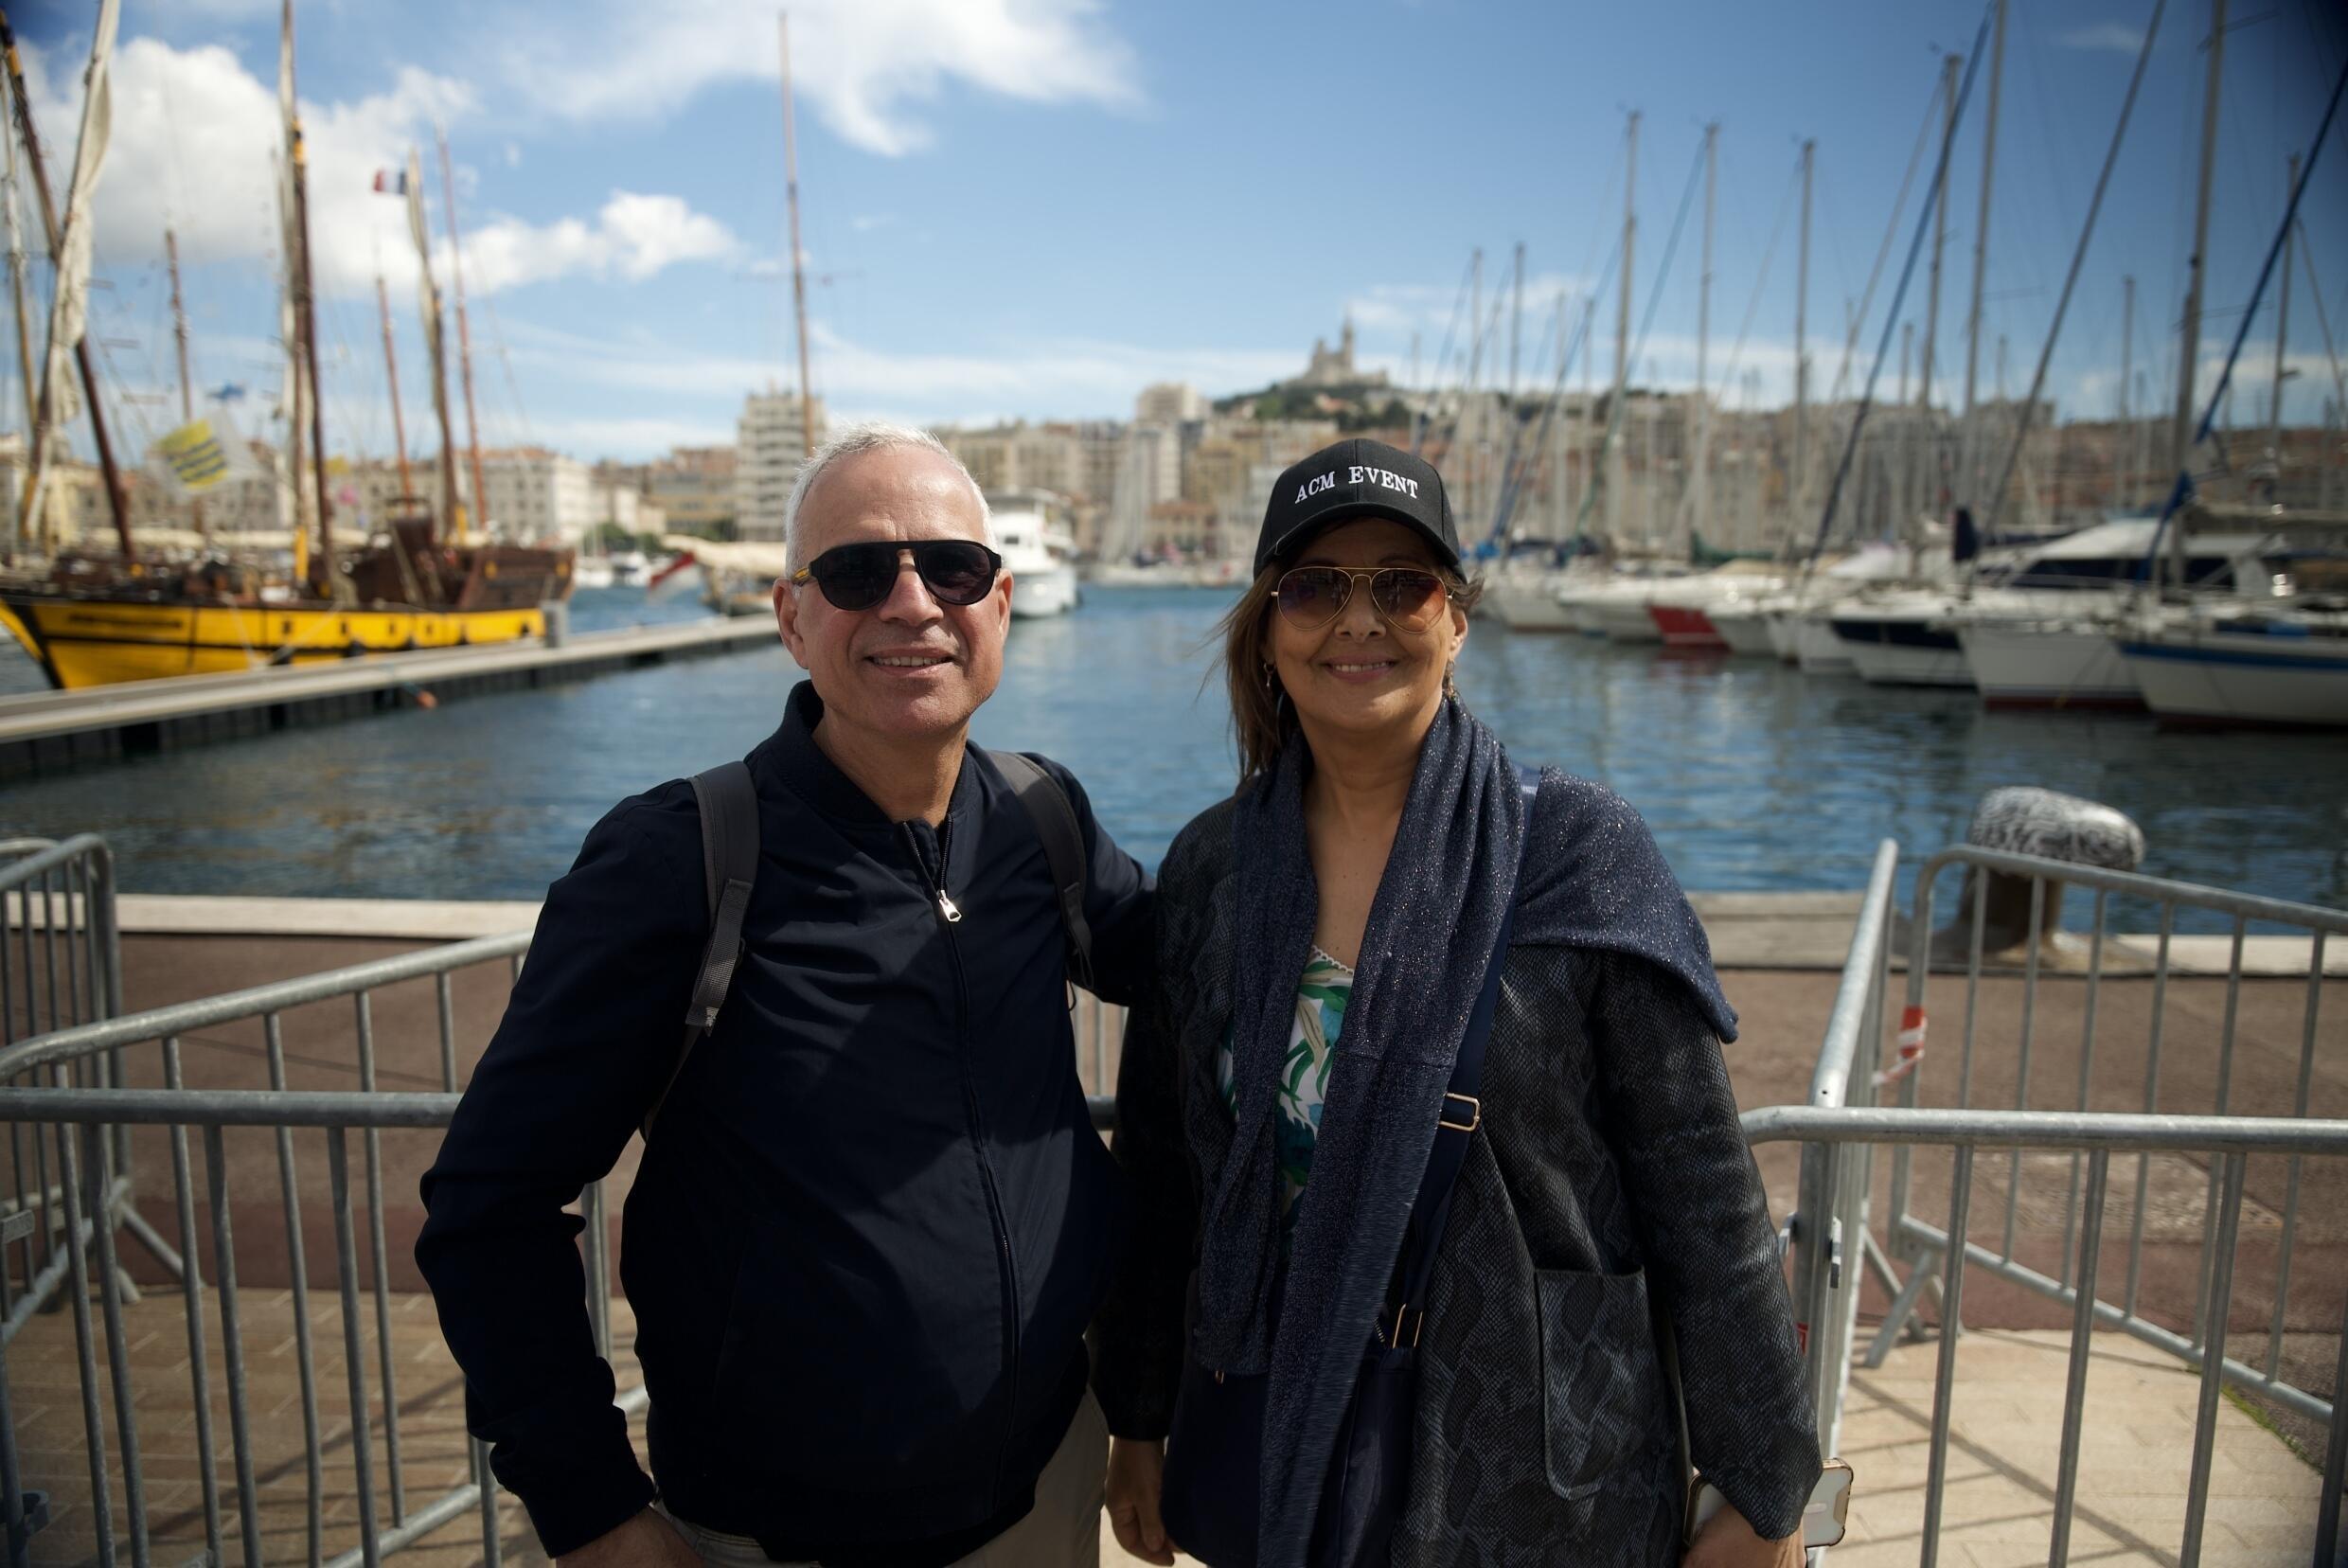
<point x="1610" y="1173"/>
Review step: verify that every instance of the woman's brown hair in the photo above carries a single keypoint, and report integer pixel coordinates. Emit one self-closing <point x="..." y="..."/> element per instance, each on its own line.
<point x="1262" y="718"/>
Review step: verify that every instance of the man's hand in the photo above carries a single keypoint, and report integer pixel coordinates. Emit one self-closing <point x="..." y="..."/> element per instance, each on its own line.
<point x="1135" y="1471"/>
<point x="645" y="1540"/>
<point x="1726" y="1541"/>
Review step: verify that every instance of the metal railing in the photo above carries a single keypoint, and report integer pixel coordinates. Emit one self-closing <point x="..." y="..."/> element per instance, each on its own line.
<point x="67" y="1098"/>
<point x="2096" y="1137"/>
<point x="1828" y="1232"/>
<point x="1917" y="1241"/>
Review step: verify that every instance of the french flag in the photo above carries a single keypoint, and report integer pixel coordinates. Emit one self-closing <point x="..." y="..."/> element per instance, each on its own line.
<point x="389" y="182"/>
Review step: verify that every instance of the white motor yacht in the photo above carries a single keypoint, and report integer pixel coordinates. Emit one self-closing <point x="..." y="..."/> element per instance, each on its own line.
<point x="1040" y="556"/>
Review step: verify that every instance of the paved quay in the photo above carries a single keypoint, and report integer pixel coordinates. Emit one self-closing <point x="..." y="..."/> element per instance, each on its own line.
<point x="53" y="730"/>
<point x="1777" y="961"/>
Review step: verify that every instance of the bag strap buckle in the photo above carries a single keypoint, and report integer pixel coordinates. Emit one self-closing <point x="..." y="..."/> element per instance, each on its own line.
<point x="1475" y="1113"/>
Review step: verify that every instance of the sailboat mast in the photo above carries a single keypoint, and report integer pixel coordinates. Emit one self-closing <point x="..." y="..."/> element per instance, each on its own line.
<point x="464" y="347"/>
<point x="179" y="336"/>
<point x="116" y="499"/>
<point x="2123" y="446"/>
<point x="1981" y="258"/>
<point x="1616" y="463"/>
<point x="391" y="370"/>
<point x="2283" y="317"/>
<point x="306" y="307"/>
<point x="16" y="289"/>
<point x="1800" y="338"/>
<point x="798" y="264"/>
<point x="1702" y="481"/>
<point x="2189" y="341"/>
<point x="1931" y="308"/>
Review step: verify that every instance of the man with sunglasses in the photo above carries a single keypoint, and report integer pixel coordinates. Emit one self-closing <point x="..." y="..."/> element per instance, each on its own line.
<point x="872" y="1220"/>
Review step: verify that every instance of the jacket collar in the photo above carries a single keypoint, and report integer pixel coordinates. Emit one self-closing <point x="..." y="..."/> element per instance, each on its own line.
<point x="791" y="758"/>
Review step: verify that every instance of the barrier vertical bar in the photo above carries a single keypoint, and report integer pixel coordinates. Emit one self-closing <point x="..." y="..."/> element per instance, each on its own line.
<point x="2021" y="1070"/>
<point x="445" y="1002"/>
<point x="2152" y="1101"/>
<point x="2335" y="1455"/>
<point x="354" y="1358"/>
<point x="2290" y="1201"/>
<point x="297" y="1275"/>
<point x="232" y="1348"/>
<point x="93" y="1424"/>
<point x="493" y="1545"/>
<point x="2213" y="1360"/>
<point x="2082" y="1333"/>
<point x="191" y="1288"/>
<point x="380" y="1266"/>
<point x="2202" y="1302"/>
<point x="2087" y="1069"/>
<point x="11" y="1480"/>
<point x="1951" y="1326"/>
<point x="117" y="1339"/>
<point x="598" y="1260"/>
<point x="1979" y="879"/>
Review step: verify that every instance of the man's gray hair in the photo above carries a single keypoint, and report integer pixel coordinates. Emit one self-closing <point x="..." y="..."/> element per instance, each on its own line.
<point x="853" y="441"/>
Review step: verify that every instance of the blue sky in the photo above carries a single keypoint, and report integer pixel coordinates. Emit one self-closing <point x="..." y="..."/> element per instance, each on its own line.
<point x="1036" y="206"/>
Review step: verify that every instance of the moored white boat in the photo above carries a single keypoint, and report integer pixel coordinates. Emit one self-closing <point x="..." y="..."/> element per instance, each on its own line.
<point x="2284" y="668"/>
<point x="2050" y="664"/>
<point x="1524" y="600"/>
<point x="1038" y="556"/>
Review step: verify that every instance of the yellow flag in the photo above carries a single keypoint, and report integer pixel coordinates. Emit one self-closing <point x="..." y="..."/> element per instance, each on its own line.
<point x="196" y="456"/>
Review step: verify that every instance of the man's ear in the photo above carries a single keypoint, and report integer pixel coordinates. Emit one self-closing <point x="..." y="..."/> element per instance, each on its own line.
<point x="787" y="621"/>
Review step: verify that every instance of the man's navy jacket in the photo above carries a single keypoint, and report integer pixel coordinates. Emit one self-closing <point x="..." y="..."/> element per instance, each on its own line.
<point x="873" y="1220"/>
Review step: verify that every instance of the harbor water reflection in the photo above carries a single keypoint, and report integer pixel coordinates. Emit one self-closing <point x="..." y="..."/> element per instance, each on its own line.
<point x="1753" y="776"/>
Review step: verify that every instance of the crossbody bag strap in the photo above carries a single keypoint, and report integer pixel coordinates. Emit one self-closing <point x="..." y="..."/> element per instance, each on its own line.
<point x="1055" y="815"/>
<point x="729" y="809"/>
<point x="1463" y="1113"/>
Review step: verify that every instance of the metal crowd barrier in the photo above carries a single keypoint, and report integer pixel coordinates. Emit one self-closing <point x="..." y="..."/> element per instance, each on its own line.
<point x="1832" y="1246"/>
<point x="2097" y="1137"/>
<point x="1919" y="1242"/>
<point x="69" y="1108"/>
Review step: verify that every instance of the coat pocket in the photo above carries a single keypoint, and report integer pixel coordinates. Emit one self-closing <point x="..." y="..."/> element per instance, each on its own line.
<point x="1603" y="1394"/>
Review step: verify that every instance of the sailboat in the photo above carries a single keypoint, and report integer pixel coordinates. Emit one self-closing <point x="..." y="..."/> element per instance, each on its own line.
<point x="95" y="619"/>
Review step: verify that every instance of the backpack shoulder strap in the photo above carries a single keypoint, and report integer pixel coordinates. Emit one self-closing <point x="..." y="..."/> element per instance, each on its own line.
<point x="1048" y="807"/>
<point x="729" y="808"/>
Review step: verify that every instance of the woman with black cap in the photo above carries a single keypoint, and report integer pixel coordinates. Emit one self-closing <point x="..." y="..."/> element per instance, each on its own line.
<point x="1434" y="1154"/>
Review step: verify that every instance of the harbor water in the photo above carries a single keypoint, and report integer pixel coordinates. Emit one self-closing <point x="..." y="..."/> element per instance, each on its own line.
<point x="1753" y="776"/>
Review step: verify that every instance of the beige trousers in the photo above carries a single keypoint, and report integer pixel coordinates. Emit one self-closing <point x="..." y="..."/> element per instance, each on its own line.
<point x="1063" y="1530"/>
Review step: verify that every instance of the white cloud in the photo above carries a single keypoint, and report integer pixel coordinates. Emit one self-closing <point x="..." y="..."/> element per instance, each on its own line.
<point x="1430" y="309"/>
<point x="633" y="237"/>
<point x="195" y="139"/>
<point x="2109" y="37"/>
<point x="862" y="66"/>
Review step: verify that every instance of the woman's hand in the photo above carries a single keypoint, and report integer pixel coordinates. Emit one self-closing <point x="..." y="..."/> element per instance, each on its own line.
<point x="1726" y="1541"/>
<point x="1135" y="1471"/>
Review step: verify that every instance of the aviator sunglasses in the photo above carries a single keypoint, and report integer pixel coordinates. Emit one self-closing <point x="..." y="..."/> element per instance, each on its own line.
<point x="856" y="577"/>
<point x="1405" y="597"/>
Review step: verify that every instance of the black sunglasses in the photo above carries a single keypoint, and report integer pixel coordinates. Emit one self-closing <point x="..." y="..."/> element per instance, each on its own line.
<point x="1405" y="597"/>
<point x="856" y="577"/>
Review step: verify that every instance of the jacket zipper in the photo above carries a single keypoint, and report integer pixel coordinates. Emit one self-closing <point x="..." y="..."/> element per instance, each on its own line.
<point x="948" y="917"/>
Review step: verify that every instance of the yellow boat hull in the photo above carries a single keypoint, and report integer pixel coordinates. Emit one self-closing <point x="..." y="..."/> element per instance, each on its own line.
<point x="90" y="642"/>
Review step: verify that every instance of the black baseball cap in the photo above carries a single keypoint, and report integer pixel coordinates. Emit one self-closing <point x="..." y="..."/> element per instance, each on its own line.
<point x="1358" y="478"/>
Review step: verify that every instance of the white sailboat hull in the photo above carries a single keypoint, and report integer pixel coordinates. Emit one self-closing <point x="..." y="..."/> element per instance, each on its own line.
<point x="1526" y="603"/>
<point x="1745" y="628"/>
<point x="1622" y="621"/>
<point x="2059" y="666"/>
<point x="2202" y="677"/>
